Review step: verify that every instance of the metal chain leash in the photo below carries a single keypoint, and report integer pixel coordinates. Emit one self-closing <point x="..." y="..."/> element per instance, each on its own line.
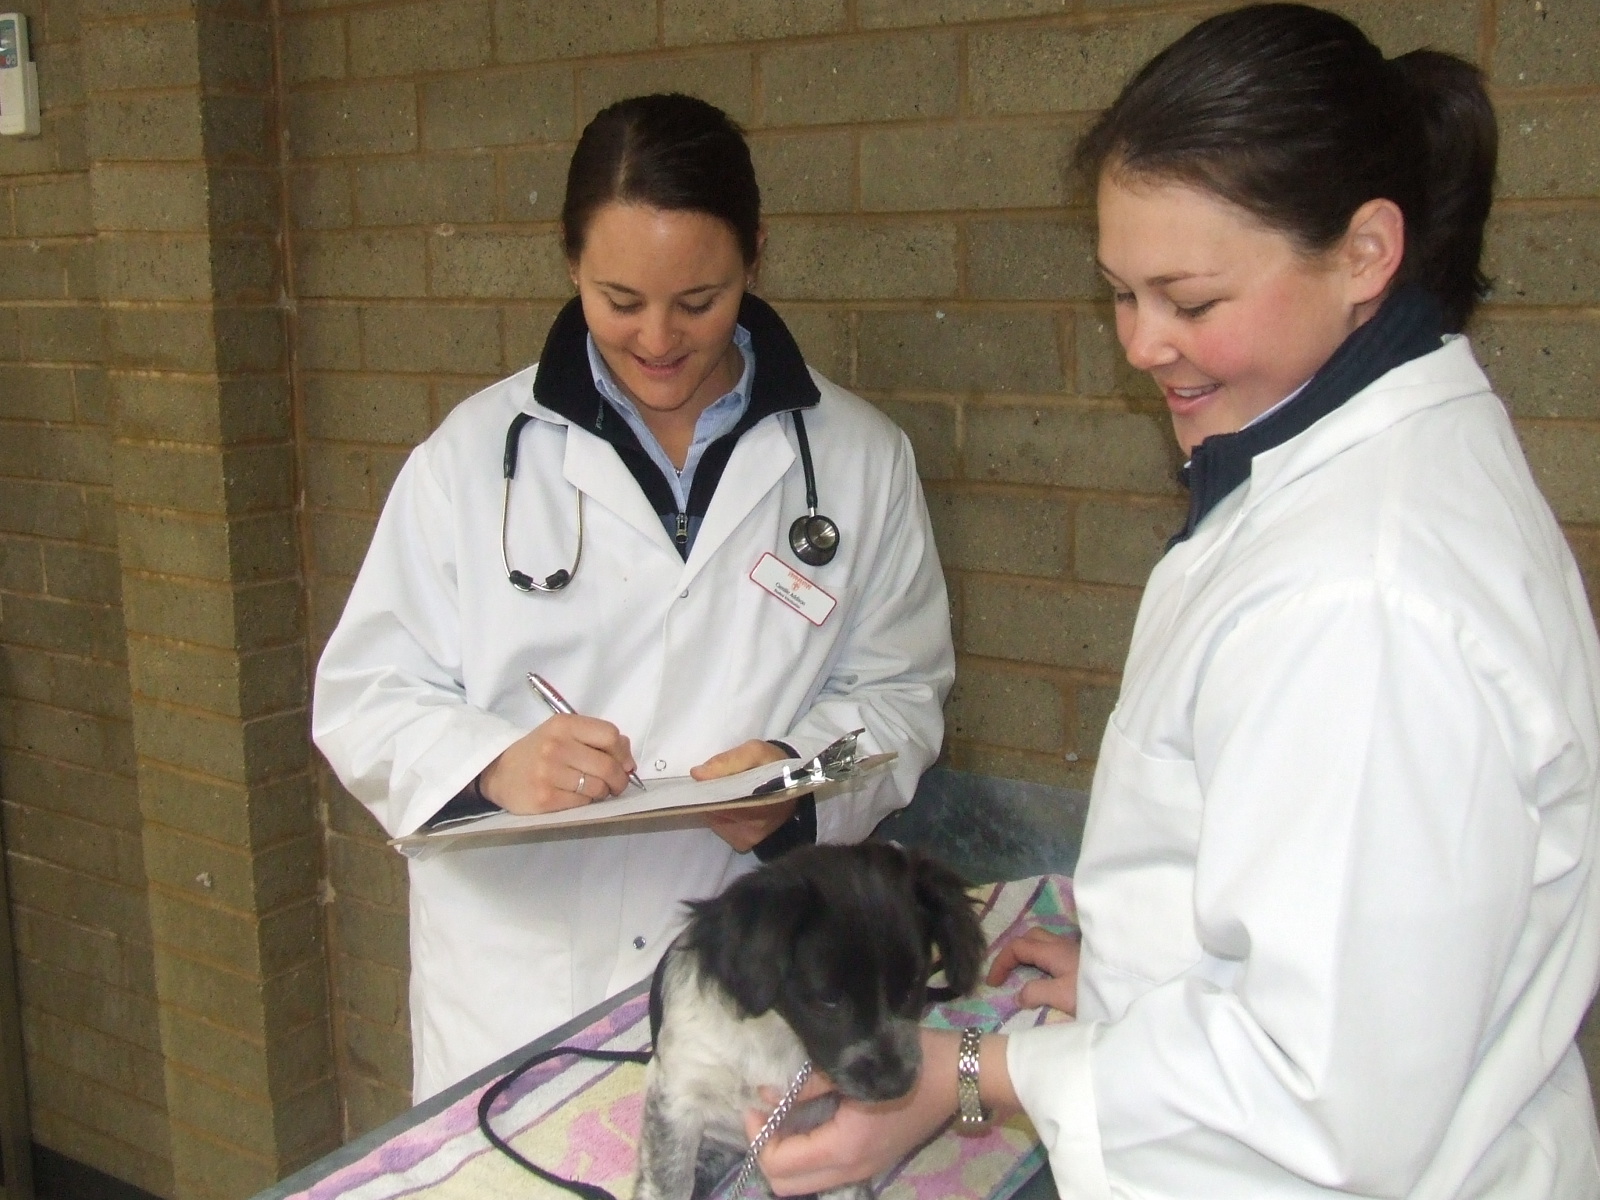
<point x="767" y="1130"/>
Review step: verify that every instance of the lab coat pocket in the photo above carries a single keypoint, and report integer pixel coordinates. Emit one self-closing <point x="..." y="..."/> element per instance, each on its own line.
<point x="1135" y="881"/>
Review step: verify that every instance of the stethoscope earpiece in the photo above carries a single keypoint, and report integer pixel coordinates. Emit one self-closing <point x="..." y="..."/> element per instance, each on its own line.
<point x="523" y="582"/>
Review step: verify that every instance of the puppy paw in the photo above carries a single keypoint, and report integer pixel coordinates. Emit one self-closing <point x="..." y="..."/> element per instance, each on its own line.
<point x="808" y="1114"/>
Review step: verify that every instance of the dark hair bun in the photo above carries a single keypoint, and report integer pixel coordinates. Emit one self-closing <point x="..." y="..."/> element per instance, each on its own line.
<point x="668" y="151"/>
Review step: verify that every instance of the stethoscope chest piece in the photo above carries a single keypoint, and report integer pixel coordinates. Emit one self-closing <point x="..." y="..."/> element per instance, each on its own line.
<point x="814" y="539"/>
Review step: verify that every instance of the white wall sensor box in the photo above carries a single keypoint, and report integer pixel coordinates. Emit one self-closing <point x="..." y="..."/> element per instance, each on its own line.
<point x="19" y="79"/>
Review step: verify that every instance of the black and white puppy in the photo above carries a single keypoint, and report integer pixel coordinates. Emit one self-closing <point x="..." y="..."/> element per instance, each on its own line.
<point x="823" y="954"/>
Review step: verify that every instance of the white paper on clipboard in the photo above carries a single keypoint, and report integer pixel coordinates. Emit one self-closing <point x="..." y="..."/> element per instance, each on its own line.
<point x="668" y="803"/>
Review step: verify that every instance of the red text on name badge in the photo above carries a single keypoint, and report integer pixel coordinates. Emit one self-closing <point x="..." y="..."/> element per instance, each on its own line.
<point x="794" y="589"/>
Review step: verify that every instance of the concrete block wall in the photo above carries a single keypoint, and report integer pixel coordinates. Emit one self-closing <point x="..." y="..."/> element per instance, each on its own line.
<point x="72" y="824"/>
<point x="163" y="840"/>
<point x="266" y="245"/>
<point x="184" y="143"/>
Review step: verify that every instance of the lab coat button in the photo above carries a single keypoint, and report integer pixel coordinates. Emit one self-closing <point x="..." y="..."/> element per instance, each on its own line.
<point x="683" y="595"/>
<point x="638" y="943"/>
<point x="661" y="764"/>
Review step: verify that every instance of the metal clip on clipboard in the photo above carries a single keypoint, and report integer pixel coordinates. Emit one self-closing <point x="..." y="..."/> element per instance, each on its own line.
<point x="837" y="761"/>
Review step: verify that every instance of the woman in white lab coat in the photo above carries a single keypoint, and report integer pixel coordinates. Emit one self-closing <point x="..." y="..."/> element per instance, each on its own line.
<point x="630" y="519"/>
<point x="1338" y="886"/>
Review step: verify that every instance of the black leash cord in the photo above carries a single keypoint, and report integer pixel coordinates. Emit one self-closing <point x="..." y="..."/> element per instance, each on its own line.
<point x="499" y="1087"/>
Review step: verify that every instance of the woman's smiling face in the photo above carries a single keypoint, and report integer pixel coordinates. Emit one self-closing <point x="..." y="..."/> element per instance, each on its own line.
<point x="1225" y="314"/>
<point x="660" y="290"/>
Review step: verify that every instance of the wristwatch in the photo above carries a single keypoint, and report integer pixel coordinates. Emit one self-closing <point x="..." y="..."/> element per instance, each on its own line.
<point x="971" y="1115"/>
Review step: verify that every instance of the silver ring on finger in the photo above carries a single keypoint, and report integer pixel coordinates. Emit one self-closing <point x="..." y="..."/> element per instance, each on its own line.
<point x="582" y="779"/>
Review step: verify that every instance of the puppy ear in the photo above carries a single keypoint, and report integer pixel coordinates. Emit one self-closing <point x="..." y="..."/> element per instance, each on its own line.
<point x="743" y="938"/>
<point x="949" y="921"/>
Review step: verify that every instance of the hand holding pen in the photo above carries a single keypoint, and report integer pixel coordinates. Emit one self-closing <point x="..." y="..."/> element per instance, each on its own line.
<point x="558" y="704"/>
<point x="568" y="761"/>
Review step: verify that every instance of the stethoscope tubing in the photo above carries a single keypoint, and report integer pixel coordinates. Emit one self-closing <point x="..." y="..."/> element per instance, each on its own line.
<point x="813" y="538"/>
<point x="508" y="465"/>
<point x="805" y="462"/>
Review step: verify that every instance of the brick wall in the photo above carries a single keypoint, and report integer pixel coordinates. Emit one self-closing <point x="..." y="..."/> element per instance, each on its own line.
<point x="72" y="822"/>
<point x="395" y="180"/>
<point x="163" y="846"/>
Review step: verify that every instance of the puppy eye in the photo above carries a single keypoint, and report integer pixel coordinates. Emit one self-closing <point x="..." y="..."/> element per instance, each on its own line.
<point x="827" y="997"/>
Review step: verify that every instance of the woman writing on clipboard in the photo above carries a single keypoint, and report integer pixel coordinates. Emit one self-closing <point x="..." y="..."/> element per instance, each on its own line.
<point x="633" y="518"/>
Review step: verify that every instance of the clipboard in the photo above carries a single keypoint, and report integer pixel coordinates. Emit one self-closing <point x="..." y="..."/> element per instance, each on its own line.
<point x="671" y="803"/>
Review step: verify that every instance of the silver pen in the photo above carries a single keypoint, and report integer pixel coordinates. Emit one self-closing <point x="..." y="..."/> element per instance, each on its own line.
<point x="558" y="704"/>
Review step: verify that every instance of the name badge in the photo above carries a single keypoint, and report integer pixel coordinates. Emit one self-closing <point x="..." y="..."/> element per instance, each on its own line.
<point x="794" y="589"/>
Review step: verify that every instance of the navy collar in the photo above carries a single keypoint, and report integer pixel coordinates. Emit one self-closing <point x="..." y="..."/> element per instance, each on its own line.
<point x="564" y="383"/>
<point x="1409" y="325"/>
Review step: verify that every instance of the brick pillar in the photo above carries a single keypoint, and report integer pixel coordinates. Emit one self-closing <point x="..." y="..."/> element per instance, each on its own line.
<point x="183" y="153"/>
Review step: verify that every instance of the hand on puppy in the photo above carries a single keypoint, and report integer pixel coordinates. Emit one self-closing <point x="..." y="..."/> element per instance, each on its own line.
<point x="1054" y="954"/>
<point x="566" y="762"/>
<point x="744" y="827"/>
<point x="863" y="1140"/>
<point x="858" y="1142"/>
<point x="816" y="1103"/>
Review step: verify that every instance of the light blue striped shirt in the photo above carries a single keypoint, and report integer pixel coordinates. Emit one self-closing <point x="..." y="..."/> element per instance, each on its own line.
<point x="716" y="420"/>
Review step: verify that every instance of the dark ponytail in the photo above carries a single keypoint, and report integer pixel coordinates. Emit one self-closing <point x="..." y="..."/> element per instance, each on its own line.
<point x="1292" y="114"/>
<point x="1462" y="142"/>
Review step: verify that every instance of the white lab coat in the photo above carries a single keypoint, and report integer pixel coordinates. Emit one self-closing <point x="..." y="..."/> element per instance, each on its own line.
<point x="422" y="684"/>
<point x="1340" y="907"/>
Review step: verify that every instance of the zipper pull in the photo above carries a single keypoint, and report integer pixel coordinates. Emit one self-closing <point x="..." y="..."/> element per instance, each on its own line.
<point x="683" y="530"/>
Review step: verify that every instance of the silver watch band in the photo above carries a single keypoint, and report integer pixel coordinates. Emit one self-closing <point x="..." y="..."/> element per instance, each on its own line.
<point x="971" y="1115"/>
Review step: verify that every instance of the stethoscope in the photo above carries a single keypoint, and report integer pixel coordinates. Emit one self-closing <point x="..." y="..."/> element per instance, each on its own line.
<point x="813" y="537"/>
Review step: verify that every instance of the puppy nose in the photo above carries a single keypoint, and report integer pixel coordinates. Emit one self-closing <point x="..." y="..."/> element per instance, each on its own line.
<point x="884" y="1068"/>
<point x="888" y="1081"/>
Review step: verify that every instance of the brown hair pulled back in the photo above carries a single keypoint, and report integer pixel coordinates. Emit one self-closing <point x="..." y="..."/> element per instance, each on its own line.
<point x="667" y="151"/>
<point x="1293" y="115"/>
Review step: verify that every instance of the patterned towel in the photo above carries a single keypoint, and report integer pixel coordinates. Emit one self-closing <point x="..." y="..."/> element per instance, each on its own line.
<point x="580" y="1118"/>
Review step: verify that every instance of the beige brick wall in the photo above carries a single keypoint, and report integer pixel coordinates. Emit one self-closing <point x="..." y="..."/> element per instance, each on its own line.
<point x="163" y="846"/>
<point x="72" y="821"/>
<point x="927" y="247"/>
<point x="188" y="205"/>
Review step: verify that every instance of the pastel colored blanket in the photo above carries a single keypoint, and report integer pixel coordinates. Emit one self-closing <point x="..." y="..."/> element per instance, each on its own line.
<point x="580" y="1118"/>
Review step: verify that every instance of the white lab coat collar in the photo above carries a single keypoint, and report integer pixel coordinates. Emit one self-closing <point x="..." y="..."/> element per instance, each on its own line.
<point x="591" y="465"/>
<point x="1449" y="372"/>
<point x="759" y="462"/>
